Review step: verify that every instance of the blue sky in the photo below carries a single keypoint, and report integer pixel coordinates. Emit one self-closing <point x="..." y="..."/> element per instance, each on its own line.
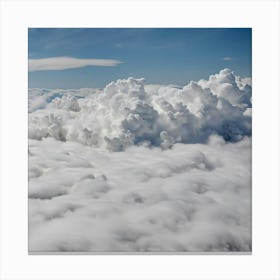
<point x="160" y="55"/>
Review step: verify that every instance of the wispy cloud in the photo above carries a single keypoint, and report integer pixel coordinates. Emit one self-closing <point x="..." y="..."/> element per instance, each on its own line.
<point x="227" y="58"/>
<point x="63" y="62"/>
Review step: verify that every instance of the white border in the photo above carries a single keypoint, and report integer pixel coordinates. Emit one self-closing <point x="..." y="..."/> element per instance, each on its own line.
<point x="262" y="16"/>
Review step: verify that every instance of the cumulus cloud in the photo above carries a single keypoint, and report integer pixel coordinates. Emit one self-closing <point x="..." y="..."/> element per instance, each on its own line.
<point x="129" y="112"/>
<point x="62" y="63"/>
<point x="136" y="167"/>
<point x="227" y="58"/>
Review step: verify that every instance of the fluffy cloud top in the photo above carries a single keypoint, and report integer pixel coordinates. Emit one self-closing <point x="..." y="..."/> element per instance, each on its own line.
<point x="62" y="63"/>
<point x="128" y="112"/>
<point x="191" y="198"/>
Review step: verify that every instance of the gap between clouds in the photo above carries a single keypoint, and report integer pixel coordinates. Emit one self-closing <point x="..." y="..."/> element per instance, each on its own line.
<point x="62" y="63"/>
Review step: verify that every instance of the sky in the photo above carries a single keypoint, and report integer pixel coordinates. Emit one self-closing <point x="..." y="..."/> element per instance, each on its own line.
<point x="93" y="57"/>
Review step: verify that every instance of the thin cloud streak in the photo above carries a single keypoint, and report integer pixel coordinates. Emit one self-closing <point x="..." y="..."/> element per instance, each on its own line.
<point x="227" y="58"/>
<point x="62" y="63"/>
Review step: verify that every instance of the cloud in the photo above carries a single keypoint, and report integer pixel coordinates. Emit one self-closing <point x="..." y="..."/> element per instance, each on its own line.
<point x="141" y="168"/>
<point x="191" y="198"/>
<point x="227" y="58"/>
<point x="127" y="112"/>
<point x="63" y="62"/>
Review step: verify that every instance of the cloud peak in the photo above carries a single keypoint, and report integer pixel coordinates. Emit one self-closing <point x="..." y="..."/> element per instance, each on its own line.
<point x="227" y="58"/>
<point x="64" y="62"/>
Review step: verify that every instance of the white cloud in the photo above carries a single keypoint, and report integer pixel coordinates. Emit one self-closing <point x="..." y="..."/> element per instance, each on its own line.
<point x="136" y="167"/>
<point x="62" y="63"/>
<point x="127" y="112"/>
<point x="189" y="198"/>
<point x="227" y="58"/>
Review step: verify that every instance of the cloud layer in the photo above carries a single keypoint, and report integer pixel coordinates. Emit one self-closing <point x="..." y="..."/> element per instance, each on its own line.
<point x="191" y="198"/>
<point x="62" y="63"/>
<point x="141" y="168"/>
